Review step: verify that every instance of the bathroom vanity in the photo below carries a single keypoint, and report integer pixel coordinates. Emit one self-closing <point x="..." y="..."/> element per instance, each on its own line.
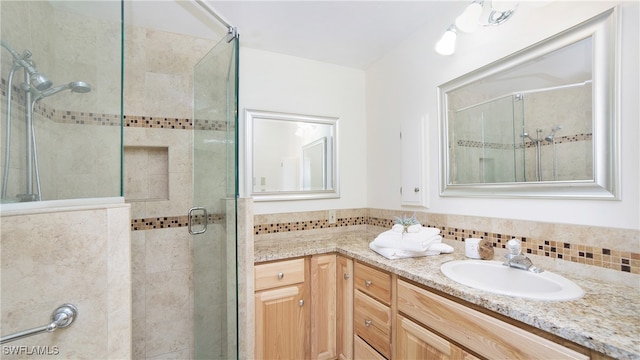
<point x="376" y="308"/>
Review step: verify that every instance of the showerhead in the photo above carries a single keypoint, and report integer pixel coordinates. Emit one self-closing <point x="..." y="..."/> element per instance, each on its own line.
<point x="551" y="136"/>
<point x="526" y="135"/>
<point x="75" y="86"/>
<point x="40" y="81"/>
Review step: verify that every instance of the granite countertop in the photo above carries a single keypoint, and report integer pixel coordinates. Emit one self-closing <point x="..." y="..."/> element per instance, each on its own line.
<point x="606" y="319"/>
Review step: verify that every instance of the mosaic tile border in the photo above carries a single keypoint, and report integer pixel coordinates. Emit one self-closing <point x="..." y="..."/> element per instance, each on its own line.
<point x="590" y="255"/>
<point x="166" y="222"/>
<point x="527" y="144"/>
<point x="150" y="122"/>
<point x="307" y="225"/>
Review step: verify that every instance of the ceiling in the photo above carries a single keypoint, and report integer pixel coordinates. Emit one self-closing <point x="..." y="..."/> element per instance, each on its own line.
<point x="348" y="33"/>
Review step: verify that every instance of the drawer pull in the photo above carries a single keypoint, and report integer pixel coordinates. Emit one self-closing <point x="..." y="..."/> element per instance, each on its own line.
<point x="367" y="283"/>
<point x="280" y="276"/>
<point x="301" y="302"/>
<point x="367" y="323"/>
<point x="347" y="276"/>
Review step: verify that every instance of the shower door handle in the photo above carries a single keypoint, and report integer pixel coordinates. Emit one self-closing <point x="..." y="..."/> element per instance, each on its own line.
<point x="190" y="221"/>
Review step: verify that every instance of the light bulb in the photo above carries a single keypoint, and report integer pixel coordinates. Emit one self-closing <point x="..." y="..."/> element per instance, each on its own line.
<point x="468" y="20"/>
<point x="447" y="44"/>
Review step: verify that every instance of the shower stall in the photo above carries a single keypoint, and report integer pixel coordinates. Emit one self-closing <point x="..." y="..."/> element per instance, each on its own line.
<point x="533" y="136"/>
<point x="69" y="106"/>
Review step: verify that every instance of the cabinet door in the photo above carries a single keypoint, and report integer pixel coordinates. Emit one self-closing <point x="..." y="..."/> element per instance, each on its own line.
<point x="413" y="162"/>
<point x="344" y="308"/>
<point x="281" y="320"/>
<point x="323" y="306"/>
<point x="416" y="342"/>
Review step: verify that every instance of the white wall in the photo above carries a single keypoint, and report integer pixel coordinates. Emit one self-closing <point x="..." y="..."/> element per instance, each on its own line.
<point x="281" y="83"/>
<point x="403" y="85"/>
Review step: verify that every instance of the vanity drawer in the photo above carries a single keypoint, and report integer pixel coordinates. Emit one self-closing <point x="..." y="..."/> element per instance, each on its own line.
<point x="279" y="273"/>
<point x="372" y="322"/>
<point x="373" y="282"/>
<point x="489" y="337"/>
<point x="362" y="351"/>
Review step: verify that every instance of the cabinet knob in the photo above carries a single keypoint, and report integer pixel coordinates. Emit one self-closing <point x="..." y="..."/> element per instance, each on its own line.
<point x="367" y="323"/>
<point x="367" y="283"/>
<point x="347" y="276"/>
<point x="416" y="189"/>
<point x="301" y="302"/>
<point x="280" y="276"/>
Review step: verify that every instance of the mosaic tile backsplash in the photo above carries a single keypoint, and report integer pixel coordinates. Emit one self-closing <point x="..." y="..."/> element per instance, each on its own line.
<point x="605" y="257"/>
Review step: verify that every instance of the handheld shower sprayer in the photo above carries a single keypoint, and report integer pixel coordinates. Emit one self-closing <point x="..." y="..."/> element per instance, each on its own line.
<point x="79" y="87"/>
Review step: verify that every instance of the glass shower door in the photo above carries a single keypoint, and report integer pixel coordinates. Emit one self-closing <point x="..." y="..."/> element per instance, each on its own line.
<point x="213" y="218"/>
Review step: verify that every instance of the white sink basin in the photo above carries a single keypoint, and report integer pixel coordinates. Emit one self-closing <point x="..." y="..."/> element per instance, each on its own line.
<point x="492" y="276"/>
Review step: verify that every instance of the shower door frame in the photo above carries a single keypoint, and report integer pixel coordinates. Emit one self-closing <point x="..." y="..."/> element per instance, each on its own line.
<point x="215" y="188"/>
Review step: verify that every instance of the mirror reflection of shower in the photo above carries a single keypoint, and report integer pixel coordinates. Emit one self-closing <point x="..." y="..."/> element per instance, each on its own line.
<point x="36" y="86"/>
<point x="552" y="139"/>
<point x="537" y="144"/>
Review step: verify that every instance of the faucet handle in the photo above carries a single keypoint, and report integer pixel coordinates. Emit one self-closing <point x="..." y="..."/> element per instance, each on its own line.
<point x="514" y="246"/>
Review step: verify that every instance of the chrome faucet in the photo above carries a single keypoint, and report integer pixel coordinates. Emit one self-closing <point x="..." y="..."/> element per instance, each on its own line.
<point x="516" y="259"/>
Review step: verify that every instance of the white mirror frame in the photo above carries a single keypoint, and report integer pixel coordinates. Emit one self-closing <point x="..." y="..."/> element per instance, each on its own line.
<point x="250" y="117"/>
<point x="604" y="29"/>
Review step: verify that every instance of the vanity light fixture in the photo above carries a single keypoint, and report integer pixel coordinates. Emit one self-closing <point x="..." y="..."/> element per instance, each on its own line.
<point x="447" y="44"/>
<point x="469" y="20"/>
<point x="497" y="13"/>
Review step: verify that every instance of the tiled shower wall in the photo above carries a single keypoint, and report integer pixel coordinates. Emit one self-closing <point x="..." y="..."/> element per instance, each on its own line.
<point x="158" y="185"/>
<point x="77" y="135"/>
<point x="617" y="249"/>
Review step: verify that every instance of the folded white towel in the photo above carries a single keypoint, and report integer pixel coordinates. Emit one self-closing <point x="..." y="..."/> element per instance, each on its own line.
<point x="419" y="241"/>
<point x="441" y="248"/>
<point x="393" y="254"/>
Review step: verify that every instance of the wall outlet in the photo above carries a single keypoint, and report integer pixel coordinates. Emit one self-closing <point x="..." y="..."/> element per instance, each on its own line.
<point x="332" y="216"/>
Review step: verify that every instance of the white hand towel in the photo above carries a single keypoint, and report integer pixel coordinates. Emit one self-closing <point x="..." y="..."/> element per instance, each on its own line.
<point x="441" y="248"/>
<point x="393" y="254"/>
<point x="408" y="241"/>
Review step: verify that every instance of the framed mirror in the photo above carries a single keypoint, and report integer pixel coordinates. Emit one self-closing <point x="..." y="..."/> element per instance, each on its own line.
<point x="291" y="156"/>
<point x="539" y="123"/>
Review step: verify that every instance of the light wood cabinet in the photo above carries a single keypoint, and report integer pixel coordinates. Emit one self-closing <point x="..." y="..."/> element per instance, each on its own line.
<point x="323" y="306"/>
<point x="482" y="334"/>
<point x="362" y="351"/>
<point x="416" y="342"/>
<point x="372" y="316"/>
<point x="282" y="310"/>
<point x="344" y="308"/>
<point x="373" y="282"/>
<point x="332" y="307"/>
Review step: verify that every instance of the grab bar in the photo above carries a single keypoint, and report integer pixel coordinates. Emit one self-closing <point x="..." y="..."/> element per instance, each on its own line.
<point x="61" y="317"/>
